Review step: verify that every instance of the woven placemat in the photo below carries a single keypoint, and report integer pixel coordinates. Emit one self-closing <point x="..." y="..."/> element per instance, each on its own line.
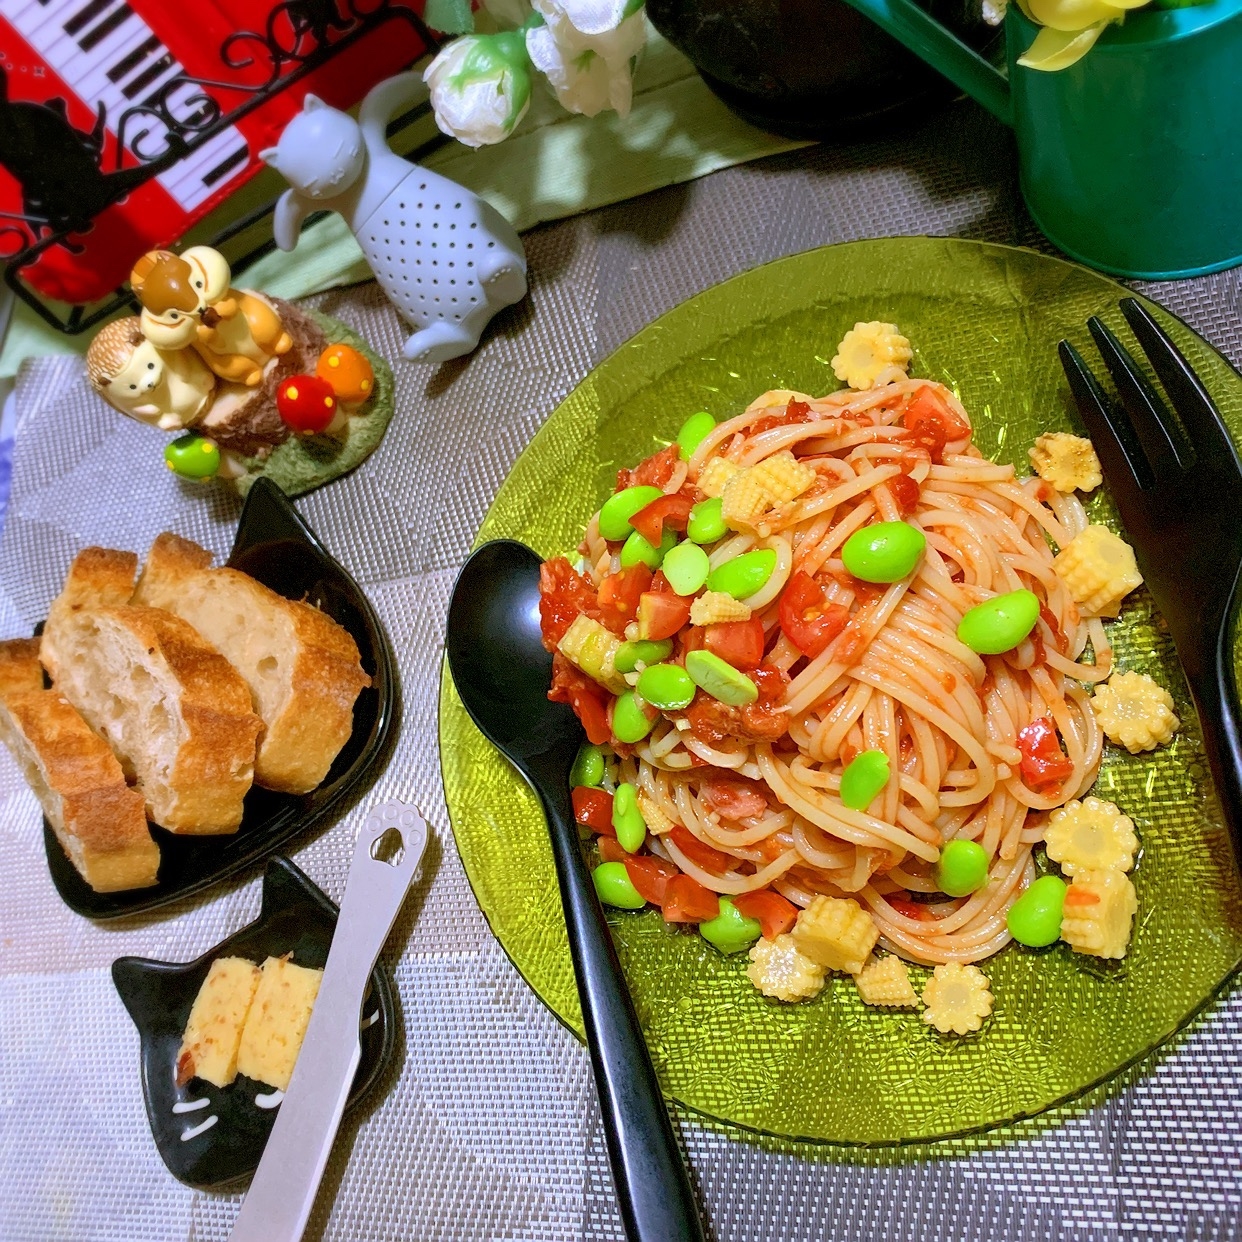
<point x="487" y="1127"/>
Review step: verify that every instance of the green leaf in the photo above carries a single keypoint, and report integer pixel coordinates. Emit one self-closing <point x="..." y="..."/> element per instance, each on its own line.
<point x="449" y="16"/>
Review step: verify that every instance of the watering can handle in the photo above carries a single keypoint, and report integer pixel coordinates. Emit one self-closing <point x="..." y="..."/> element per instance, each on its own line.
<point x="930" y="41"/>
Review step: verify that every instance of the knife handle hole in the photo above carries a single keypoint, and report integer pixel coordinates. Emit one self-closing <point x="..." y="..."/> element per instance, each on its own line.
<point x="388" y="847"/>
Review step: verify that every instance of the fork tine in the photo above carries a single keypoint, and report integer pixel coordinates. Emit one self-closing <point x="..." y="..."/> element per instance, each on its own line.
<point x="1122" y="463"/>
<point x="1148" y="416"/>
<point x="1186" y="393"/>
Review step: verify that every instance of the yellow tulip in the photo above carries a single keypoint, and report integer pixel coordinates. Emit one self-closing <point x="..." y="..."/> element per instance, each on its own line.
<point x="1073" y="14"/>
<point x="1058" y="49"/>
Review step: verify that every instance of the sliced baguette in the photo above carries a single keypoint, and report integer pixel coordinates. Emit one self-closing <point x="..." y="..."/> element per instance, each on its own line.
<point x="302" y="668"/>
<point x="97" y="818"/>
<point x="98" y="578"/>
<point x="170" y="706"/>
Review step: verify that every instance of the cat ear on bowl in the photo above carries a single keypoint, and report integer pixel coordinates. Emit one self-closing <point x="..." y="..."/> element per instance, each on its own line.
<point x="312" y="102"/>
<point x="268" y="156"/>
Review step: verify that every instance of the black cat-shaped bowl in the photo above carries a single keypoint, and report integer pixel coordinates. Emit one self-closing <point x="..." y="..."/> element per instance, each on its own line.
<point x="211" y="1137"/>
<point x="276" y="547"/>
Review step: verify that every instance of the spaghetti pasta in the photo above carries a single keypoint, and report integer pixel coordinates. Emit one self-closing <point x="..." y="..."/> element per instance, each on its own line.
<point x="746" y="798"/>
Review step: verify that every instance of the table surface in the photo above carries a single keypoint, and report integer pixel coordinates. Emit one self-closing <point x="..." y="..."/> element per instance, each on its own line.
<point x="487" y="1125"/>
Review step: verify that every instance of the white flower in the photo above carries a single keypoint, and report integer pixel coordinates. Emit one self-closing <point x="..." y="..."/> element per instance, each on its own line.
<point x="480" y="87"/>
<point x="586" y="50"/>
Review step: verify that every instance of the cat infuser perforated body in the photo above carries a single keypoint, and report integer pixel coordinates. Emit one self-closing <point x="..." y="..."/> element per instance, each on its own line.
<point x="447" y="260"/>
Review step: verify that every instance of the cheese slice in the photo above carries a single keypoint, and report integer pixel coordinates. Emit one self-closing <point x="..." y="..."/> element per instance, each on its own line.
<point x="277" y="1022"/>
<point x="217" y="1019"/>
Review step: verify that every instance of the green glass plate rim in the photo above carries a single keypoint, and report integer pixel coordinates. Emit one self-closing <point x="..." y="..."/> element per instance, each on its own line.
<point x="449" y="703"/>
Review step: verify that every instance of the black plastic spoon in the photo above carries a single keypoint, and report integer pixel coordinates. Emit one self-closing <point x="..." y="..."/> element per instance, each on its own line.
<point x="502" y="673"/>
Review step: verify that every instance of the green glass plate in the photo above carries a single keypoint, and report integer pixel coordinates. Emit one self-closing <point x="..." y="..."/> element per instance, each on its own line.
<point x="985" y="319"/>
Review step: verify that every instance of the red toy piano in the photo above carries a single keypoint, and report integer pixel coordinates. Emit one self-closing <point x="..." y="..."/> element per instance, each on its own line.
<point x="122" y="122"/>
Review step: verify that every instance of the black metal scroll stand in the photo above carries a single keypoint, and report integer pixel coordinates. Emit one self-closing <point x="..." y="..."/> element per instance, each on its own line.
<point x="64" y="186"/>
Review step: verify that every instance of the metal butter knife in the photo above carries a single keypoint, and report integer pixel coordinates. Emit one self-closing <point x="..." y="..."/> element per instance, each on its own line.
<point x="283" y="1189"/>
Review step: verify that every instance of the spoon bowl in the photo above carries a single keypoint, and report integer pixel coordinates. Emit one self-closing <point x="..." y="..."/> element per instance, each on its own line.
<point x="502" y="672"/>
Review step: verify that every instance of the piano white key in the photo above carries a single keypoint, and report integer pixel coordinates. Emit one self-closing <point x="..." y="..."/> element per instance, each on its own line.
<point x="187" y="184"/>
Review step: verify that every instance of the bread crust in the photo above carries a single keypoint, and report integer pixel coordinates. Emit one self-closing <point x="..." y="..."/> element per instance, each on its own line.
<point x="303" y="669"/>
<point x="97" y="818"/>
<point x="97" y="578"/>
<point x="19" y="666"/>
<point x="195" y="763"/>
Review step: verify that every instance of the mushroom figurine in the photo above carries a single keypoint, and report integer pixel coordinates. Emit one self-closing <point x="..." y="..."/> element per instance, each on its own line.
<point x="308" y="406"/>
<point x="349" y="373"/>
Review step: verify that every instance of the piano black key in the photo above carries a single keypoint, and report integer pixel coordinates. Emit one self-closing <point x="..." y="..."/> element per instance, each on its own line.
<point x="86" y="15"/>
<point x="105" y="28"/>
<point x="129" y="63"/>
<point x="147" y="76"/>
<point x="226" y="166"/>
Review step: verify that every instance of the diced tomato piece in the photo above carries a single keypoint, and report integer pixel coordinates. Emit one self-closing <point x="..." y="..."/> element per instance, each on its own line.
<point x="593" y="809"/>
<point x="588" y="698"/>
<point x="931" y="423"/>
<point x="904" y="904"/>
<point x="661" y="615"/>
<point x="693" y="638"/>
<point x="687" y="901"/>
<point x="905" y="494"/>
<point x="739" y="643"/>
<point x="698" y="852"/>
<point x="655" y="471"/>
<point x="610" y="850"/>
<point x="761" y="721"/>
<point x="671" y="511"/>
<point x="619" y="594"/>
<point x="734" y="797"/>
<point x="1044" y="765"/>
<point x="650" y="875"/>
<point x="563" y="594"/>
<point x="795" y="412"/>
<point x="807" y="619"/>
<point x="776" y="914"/>
<point x="660" y="585"/>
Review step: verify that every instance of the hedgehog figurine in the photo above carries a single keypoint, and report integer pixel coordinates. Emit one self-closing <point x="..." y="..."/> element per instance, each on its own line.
<point x="447" y="260"/>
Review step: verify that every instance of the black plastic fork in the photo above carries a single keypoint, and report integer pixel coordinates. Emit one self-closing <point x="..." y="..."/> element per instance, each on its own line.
<point x="1178" y="486"/>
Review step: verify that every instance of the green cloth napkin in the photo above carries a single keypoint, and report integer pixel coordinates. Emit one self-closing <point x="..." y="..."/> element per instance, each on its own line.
<point x="554" y="165"/>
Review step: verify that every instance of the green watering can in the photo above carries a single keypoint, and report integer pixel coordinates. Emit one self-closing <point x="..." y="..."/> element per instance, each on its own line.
<point x="1130" y="159"/>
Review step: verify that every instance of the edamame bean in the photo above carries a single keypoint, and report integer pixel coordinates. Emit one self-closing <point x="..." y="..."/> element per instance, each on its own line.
<point x="588" y="766"/>
<point x="963" y="868"/>
<point x="686" y="567"/>
<point x="627" y="819"/>
<point x="666" y="686"/>
<point x="637" y="550"/>
<point x="730" y="931"/>
<point x="884" y="552"/>
<point x="721" y="680"/>
<point x="1035" y="918"/>
<point x="629" y="722"/>
<point x="745" y="574"/>
<point x="615" y="888"/>
<point x="999" y="624"/>
<point x="641" y="651"/>
<point x="863" y="779"/>
<point x="707" y="523"/>
<point x="614" y="517"/>
<point x="693" y="432"/>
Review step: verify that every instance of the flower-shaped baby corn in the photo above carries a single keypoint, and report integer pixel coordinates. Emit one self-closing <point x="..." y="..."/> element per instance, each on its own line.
<point x="1098" y="910"/>
<point x="837" y="933"/>
<point x="714" y="475"/>
<point x="713" y="607"/>
<point x="871" y="354"/>
<point x="778" y="969"/>
<point x="1091" y="835"/>
<point x="1134" y="711"/>
<point x="1099" y="569"/>
<point x="886" y="981"/>
<point x="1066" y="461"/>
<point x="957" y="998"/>
<point x="757" y="490"/>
